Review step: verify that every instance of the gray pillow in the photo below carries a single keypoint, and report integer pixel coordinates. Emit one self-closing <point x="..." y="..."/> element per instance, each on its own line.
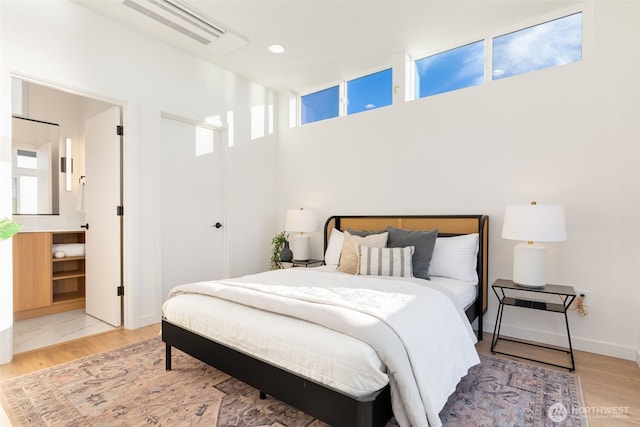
<point x="364" y="233"/>
<point x="424" y="242"/>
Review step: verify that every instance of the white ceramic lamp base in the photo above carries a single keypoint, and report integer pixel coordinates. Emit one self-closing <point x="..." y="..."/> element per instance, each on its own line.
<point x="301" y="243"/>
<point x="529" y="265"/>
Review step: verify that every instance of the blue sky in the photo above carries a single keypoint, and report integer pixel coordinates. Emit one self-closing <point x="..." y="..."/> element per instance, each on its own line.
<point x="450" y="70"/>
<point x="369" y="92"/>
<point x="321" y="105"/>
<point x="547" y="45"/>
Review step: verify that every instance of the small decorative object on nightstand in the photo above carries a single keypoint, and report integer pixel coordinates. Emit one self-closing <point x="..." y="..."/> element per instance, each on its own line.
<point x="286" y="255"/>
<point x="505" y="290"/>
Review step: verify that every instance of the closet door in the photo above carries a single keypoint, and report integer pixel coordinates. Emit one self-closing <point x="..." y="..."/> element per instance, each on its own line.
<point x="192" y="203"/>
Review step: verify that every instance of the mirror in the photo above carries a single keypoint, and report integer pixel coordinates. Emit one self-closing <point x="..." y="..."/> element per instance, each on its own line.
<point x="35" y="160"/>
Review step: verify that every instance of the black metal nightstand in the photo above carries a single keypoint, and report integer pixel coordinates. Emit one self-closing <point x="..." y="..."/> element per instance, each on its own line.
<point x="504" y="290"/>
<point x="307" y="263"/>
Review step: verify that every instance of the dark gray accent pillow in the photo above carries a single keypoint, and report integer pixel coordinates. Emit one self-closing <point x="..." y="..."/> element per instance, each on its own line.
<point x="364" y="233"/>
<point x="424" y="242"/>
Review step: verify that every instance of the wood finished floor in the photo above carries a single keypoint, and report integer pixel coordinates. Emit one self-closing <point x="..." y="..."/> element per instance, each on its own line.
<point x="608" y="384"/>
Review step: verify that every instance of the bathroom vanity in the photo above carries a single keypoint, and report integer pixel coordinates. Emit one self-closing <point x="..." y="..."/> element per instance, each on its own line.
<point x="43" y="283"/>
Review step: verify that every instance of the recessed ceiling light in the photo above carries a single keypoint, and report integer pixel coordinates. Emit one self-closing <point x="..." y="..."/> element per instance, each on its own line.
<point x="276" y="48"/>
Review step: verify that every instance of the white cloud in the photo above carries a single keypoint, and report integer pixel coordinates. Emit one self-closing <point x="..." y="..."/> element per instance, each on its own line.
<point x="546" y="45"/>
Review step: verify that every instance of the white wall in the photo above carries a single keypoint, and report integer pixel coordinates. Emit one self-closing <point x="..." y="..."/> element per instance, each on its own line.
<point x="68" y="46"/>
<point x="567" y="135"/>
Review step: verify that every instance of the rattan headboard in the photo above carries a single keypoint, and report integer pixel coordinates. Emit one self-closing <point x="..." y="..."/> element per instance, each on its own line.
<point x="447" y="225"/>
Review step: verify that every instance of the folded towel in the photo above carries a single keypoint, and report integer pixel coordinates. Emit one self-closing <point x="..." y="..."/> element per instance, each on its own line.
<point x="68" y="249"/>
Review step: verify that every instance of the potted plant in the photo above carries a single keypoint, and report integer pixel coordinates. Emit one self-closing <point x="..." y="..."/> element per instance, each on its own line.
<point x="280" y="246"/>
<point x="8" y="228"/>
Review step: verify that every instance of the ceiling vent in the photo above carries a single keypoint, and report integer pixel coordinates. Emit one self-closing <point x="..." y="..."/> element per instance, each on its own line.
<point x="189" y="22"/>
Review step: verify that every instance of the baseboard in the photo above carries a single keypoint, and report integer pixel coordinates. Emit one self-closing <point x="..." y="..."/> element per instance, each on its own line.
<point x="143" y="321"/>
<point x="598" y="347"/>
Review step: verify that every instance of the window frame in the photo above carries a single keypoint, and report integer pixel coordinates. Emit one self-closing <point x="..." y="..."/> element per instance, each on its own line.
<point x="409" y="77"/>
<point x="342" y="98"/>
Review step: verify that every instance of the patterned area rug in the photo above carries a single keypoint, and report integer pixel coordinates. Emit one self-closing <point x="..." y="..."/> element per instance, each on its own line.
<point x="130" y="387"/>
<point x="501" y="392"/>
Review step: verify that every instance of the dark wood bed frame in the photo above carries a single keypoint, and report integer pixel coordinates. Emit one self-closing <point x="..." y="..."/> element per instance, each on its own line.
<point x="325" y="403"/>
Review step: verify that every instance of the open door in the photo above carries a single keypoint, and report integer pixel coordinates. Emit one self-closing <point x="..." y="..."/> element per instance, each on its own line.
<point x="102" y="199"/>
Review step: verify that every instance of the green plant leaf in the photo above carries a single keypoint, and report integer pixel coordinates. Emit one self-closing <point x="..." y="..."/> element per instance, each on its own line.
<point x="278" y="243"/>
<point x="8" y="228"/>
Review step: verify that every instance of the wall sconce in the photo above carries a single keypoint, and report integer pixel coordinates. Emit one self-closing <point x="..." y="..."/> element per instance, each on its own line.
<point x="66" y="164"/>
<point x="532" y="223"/>
<point x="301" y="221"/>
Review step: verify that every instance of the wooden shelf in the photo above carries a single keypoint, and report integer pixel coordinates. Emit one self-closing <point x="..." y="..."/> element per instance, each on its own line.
<point x="72" y="274"/>
<point x="67" y="296"/>
<point x="44" y="284"/>
<point x="69" y="258"/>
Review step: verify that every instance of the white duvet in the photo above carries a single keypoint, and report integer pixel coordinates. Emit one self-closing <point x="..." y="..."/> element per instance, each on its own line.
<point x="421" y="336"/>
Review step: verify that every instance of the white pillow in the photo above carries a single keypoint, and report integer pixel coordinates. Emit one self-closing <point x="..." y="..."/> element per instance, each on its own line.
<point x="456" y="257"/>
<point x="334" y="247"/>
<point x="394" y="262"/>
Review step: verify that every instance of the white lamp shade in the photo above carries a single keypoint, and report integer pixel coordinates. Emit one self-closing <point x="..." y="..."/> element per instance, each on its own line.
<point x="534" y="223"/>
<point x="301" y="220"/>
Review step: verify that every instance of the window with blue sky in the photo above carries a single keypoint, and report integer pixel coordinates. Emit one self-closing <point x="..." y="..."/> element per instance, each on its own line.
<point x="550" y="44"/>
<point x="446" y="71"/>
<point x="369" y="92"/>
<point x="320" y="105"/>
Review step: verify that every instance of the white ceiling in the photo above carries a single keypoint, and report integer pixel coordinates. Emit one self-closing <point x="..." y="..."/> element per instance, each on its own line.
<point x="331" y="40"/>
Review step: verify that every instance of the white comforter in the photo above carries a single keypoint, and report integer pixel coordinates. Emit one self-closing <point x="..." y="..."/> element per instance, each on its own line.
<point x="422" y="337"/>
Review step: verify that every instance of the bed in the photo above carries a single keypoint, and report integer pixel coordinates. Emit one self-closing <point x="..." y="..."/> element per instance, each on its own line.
<point x="239" y="345"/>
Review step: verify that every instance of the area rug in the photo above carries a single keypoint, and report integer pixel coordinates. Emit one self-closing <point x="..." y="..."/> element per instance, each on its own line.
<point x="130" y="387"/>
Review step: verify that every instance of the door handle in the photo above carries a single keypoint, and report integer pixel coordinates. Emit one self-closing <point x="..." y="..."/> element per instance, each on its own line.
<point x="217" y="225"/>
<point x="85" y="226"/>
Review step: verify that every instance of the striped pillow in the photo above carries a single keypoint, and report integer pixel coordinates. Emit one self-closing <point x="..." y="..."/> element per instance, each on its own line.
<point x="394" y="262"/>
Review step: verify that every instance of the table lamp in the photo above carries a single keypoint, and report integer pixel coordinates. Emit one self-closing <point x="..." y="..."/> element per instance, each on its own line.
<point x="301" y="221"/>
<point x="532" y="223"/>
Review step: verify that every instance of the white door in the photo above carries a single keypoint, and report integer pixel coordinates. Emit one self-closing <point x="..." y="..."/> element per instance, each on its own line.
<point x="191" y="193"/>
<point x="102" y="197"/>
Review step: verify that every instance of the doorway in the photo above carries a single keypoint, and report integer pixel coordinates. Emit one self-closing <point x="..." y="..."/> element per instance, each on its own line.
<point x="71" y="110"/>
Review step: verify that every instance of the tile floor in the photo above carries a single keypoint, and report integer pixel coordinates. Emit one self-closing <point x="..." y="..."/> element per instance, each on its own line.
<point x="55" y="328"/>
